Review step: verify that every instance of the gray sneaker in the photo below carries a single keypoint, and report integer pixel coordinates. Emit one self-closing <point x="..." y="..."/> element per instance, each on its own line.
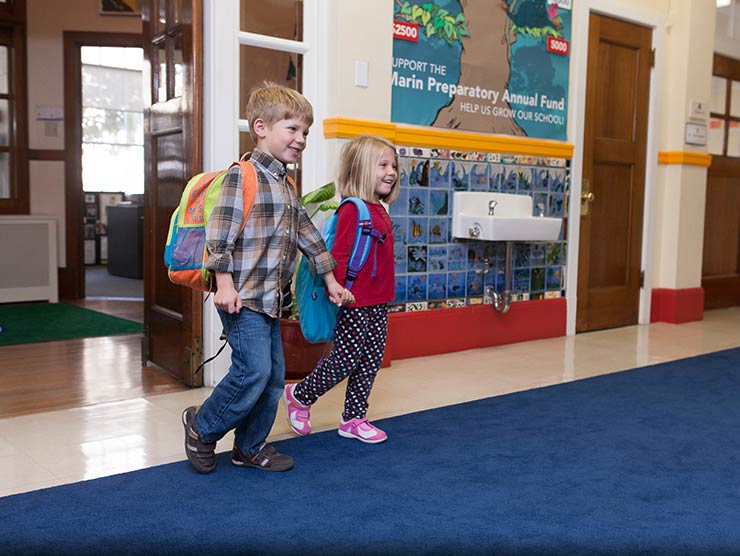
<point x="202" y="455"/>
<point x="267" y="459"/>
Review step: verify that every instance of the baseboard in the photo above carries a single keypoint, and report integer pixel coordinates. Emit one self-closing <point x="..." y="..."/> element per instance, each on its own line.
<point x="677" y="305"/>
<point x="415" y="334"/>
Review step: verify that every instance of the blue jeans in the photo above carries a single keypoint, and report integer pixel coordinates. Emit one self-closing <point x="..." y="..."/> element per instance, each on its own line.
<point x="247" y="398"/>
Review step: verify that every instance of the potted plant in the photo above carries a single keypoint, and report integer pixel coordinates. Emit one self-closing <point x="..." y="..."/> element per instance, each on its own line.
<point x="301" y="356"/>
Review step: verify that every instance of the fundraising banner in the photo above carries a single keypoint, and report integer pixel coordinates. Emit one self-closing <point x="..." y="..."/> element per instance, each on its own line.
<point x="484" y="66"/>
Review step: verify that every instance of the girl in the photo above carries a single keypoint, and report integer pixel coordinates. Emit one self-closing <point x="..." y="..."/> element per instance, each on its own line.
<point x="368" y="170"/>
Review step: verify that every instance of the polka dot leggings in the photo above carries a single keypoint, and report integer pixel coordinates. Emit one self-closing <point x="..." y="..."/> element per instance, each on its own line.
<point x="359" y="343"/>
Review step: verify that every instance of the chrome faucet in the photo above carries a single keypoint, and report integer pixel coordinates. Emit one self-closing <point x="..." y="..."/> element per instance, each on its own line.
<point x="492" y="206"/>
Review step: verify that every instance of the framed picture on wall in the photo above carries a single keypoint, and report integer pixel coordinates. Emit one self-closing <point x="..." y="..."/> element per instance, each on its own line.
<point x="120" y="7"/>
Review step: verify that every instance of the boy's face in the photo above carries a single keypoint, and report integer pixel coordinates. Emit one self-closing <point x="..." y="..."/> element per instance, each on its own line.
<point x="285" y="139"/>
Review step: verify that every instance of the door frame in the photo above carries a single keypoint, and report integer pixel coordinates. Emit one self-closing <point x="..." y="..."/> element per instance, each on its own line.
<point x="656" y="22"/>
<point x="72" y="277"/>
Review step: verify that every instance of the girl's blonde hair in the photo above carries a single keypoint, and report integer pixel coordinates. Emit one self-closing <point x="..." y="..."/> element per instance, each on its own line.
<point x="273" y="102"/>
<point x="357" y="168"/>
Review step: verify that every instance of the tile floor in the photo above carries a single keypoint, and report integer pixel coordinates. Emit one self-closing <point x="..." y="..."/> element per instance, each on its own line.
<point x="59" y="447"/>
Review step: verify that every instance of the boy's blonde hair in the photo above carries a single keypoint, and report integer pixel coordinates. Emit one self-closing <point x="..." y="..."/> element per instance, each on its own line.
<point x="272" y="102"/>
<point x="357" y="168"/>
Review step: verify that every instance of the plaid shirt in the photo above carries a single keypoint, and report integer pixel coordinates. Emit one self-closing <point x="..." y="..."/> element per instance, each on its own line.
<point x="262" y="260"/>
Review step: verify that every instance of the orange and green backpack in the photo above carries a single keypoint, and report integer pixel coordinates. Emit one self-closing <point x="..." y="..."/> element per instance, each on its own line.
<point x="185" y="253"/>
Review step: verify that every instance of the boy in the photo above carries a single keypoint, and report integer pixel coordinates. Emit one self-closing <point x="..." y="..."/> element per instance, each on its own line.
<point x="251" y="272"/>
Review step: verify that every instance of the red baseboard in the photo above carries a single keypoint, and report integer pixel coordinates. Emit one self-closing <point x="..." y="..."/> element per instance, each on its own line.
<point x="677" y="306"/>
<point x="416" y="334"/>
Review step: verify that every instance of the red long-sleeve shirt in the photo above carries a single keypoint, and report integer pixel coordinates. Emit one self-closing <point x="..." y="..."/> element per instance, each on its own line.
<point x="368" y="290"/>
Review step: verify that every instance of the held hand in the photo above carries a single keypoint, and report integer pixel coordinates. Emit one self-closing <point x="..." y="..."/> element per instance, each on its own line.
<point x="337" y="293"/>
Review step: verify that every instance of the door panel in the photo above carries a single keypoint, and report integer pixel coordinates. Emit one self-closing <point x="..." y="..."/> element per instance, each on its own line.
<point x="615" y="144"/>
<point x="721" y="259"/>
<point x="173" y="321"/>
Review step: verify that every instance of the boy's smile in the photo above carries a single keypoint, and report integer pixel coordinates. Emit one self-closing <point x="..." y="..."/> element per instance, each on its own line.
<point x="285" y="139"/>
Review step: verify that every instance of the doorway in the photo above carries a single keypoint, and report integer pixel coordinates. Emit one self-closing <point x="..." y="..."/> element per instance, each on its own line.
<point x="105" y="171"/>
<point x="613" y="174"/>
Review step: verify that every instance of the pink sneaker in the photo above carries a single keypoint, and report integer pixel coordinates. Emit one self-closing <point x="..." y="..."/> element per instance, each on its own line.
<point x="362" y="430"/>
<point x="299" y="415"/>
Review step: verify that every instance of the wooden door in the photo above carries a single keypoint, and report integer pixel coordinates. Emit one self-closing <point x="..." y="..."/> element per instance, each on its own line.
<point x="172" y="147"/>
<point x="721" y="260"/>
<point x="613" y="188"/>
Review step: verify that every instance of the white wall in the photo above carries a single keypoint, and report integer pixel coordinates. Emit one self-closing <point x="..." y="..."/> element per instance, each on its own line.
<point x="727" y="36"/>
<point x="46" y="22"/>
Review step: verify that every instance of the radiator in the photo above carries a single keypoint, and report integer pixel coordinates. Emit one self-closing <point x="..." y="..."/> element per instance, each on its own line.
<point x="28" y="258"/>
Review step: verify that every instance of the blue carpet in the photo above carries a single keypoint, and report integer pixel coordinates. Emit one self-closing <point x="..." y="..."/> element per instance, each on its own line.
<point x="643" y="462"/>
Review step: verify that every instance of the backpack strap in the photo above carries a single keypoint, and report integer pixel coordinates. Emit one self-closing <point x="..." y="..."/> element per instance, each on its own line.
<point x="363" y="240"/>
<point x="249" y="187"/>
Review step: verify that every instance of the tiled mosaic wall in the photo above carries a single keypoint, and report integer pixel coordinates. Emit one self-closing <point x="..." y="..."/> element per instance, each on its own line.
<point x="433" y="270"/>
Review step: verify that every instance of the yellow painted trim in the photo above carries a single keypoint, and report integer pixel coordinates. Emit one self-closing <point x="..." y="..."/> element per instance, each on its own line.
<point x="445" y="139"/>
<point x="686" y="158"/>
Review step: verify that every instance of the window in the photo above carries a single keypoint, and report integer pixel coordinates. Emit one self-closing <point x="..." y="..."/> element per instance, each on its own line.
<point x="14" y="198"/>
<point x="271" y="49"/>
<point x="112" y="119"/>
<point x="724" y="108"/>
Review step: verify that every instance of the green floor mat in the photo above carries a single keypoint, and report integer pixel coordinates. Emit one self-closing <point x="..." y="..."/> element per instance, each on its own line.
<point x="25" y="323"/>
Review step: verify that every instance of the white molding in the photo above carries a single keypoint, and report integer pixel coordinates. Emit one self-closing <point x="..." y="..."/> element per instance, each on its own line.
<point x="220" y="135"/>
<point x="272" y="43"/>
<point x="616" y="9"/>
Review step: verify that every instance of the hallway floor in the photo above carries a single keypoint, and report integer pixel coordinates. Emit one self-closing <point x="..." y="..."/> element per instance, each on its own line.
<point x="58" y="447"/>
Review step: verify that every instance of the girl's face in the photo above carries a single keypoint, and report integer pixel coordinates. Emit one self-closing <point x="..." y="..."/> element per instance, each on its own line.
<point x="386" y="173"/>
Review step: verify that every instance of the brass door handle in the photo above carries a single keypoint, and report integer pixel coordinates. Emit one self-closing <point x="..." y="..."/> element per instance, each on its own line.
<point x="586" y="197"/>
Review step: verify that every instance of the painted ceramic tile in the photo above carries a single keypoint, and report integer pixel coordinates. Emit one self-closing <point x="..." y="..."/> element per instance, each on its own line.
<point x="439" y="230"/>
<point x="552" y="295"/>
<point x="554" y="280"/>
<point x="436" y="304"/>
<point x="439" y="202"/>
<point x="520" y="283"/>
<point x="554" y="253"/>
<point x="493" y="157"/>
<point x="400" y="289"/>
<point x="399" y="230"/>
<point x="402" y="151"/>
<point x="456" y="284"/>
<point x="419" y="173"/>
<point x="479" y="177"/>
<point x="418" y="230"/>
<point x="418" y="201"/>
<point x="439" y="174"/>
<point x="557" y="180"/>
<point x="540" y="178"/>
<point x="511" y="180"/>
<point x="525" y="180"/>
<point x="440" y="153"/>
<point x="437" y="286"/>
<point x="537" y="281"/>
<point x="455" y="303"/>
<point x="475" y="256"/>
<point x="417" y="258"/>
<point x="556" y="207"/>
<point x="396" y="308"/>
<point x="540" y="204"/>
<point x="475" y="283"/>
<point x="475" y="301"/>
<point x="417" y="287"/>
<point x="420" y="306"/>
<point x="405" y="167"/>
<point x="522" y="254"/>
<point x="457" y="256"/>
<point x="400" y="207"/>
<point x="500" y="253"/>
<point x="509" y="158"/>
<point x="400" y="252"/>
<point x="420" y="151"/>
<point x="460" y="173"/>
<point x="437" y="255"/>
<point x="497" y="177"/>
<point x="538" y="253"/>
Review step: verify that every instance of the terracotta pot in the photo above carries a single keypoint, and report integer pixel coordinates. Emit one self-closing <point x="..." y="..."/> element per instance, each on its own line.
<point x="301" y="356"/>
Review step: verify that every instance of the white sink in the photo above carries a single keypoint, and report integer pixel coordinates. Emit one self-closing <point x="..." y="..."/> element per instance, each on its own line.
<point x="511" y="220"/>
